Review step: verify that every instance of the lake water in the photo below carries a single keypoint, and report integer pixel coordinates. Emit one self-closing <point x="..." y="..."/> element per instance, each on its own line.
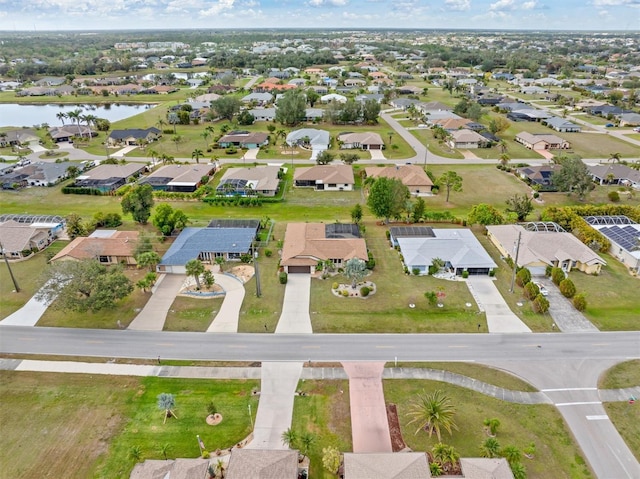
<point x="14" y="114"/>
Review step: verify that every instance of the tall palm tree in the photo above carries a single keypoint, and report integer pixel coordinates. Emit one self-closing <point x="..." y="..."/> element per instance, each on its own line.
<point x="75" y="116"/>
<point x="281" y="134"/>
<point x="195" y="268"/>
<point x="433" y="412"/>
<point x="160" y="123"/>
<point x="196" y="154"/>
<point x="490" y="447"/>
<point x="615" y="157"/>
<point x="61" y="116"/>
<point x="205" y="137"/>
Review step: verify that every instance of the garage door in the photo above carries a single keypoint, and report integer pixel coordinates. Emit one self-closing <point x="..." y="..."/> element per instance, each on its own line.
<point x="537" y="270"/>
<point x="299" y="269"/>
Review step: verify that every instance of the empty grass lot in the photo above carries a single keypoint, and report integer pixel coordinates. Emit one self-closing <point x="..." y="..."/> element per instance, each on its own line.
<point x="520" y="426"/>
<point x="86" y="425"/>
<point x="192" y="314"/>
<point x="622" y="375"/>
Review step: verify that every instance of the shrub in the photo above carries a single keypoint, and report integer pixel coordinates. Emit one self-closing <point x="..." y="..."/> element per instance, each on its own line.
<point x="557" y="276"/>
<point x="548" y="270"/>
<point x="282" y="277"/>
<point x="212" y="408"/>
<point x="268" y="253"/>
<point x="523" y="277"/>
<point x="614" y="197"/>
<point x="205" y="455"/>
<point x="531" y="290"/>
<point x="232" y="150"/>
<point x="388" y="234"/>
<point x="345" y="292"/>
<point x="540" y="304"/>
<point x="415" y="271"/>
<point x="567" y="288"/>
<point x="492" y="272"/>
<point x="580" y="302"/>
<point x="432" y="297"/>
<point x="335" y="285"/>
<point x="465" y="274"/>
<point x="536" y="195"/>
<point x="364" y="291"/>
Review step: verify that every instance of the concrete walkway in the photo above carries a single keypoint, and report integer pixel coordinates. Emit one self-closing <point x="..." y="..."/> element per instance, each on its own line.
<point x="154" y="313"/>
<point x="123" y="151"/>
<point x="279" y="382"/>
<point x="369" y="424"/>
<point x="251" y="154"/>
<point x="295" y="316"/>
<point x="226" y="321"/>
<point x="500" y="319"/>
<point x="28" y="315"/>
<point x="567" y="318"/>
<point x="377" y="155"/>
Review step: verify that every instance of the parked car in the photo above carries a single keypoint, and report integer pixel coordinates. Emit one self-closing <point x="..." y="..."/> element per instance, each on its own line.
<point x="609" y="125"/>
<point x="543" y="291"/>
<point x="637" y="129"/>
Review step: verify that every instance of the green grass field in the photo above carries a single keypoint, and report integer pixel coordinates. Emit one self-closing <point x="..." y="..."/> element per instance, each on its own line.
<point x="622" y="375"/>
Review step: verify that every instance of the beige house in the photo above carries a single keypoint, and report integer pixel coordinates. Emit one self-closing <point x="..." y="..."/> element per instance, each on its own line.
<point x="263" y="180"/>
<point x="366" y="141"/>
<point x="107" y="246"/>
<point x="17" y="238"/>
<point x="412" y="176"/>
<point x="325" y="177"/>
<point x="539" y="249"/>
<point x="307" y="244"/>
<point x="542" y="141"/>
<point x="258" y="463"/>
<point x="465" y="138"/>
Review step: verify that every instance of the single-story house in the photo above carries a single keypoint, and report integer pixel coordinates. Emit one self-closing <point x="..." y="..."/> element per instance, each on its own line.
<point x="388" y="465"/>
<point x="451" y="124"/>
<point x="262" y="180"/>
<point x="312" y="136"/>
<point x="325" y="177"/>
<point x="534" y="90"/>
<point x="466" y="138"/>
<point x="333" y="97"/>
<point x="258" y="98"/>
<point x="178" y="178"/>
<point x="457" y="247"/>
<point x="485" y="468"/>
<point x="624" y="235"/>
<point x="630" y="119"/>
<point x="18" y="137"/>
<point x="528" y="114"/>
<point x="542" y="141"/>
<point x="108" y="177"/>
<point x="403" y="103"/>
<point x="562" y="125"/>
<point x="544" y="247"/>
<point x="18" y="237"/>
<point x="366" y="141"/>
<point x="307" y="244"/>
<point x="228" y="239"/>
<point x="412" y="176"/>
<point x="615" y="174"/>
<point x="38" y="174"/>
<point x="67" y="132"/>
<point x="107" y="246"/>
<point x="354" y="82"/>
<point x="244" y="139"/>
<point x="263" y="114"/>
<point x="538" y="175"/>
<point x="369" y="96"/>
<point x="433" y="106"/>
<point x="313" y="114"/>
<point x="258" y="463"/>
<point x="172" y="468"/>
<point x="131" y="136"/>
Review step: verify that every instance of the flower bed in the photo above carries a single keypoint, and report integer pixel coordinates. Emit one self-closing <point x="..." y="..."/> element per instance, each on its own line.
<point x="346" y="291"/>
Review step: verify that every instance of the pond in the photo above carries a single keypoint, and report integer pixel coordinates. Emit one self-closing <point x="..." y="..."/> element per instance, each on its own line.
<point x="17" y="115"/>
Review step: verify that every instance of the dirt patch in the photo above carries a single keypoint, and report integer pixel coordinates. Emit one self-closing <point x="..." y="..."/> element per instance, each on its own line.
<point x="214" y="419"/>
<point x="244" y="272"/>
<point x="397" y="441"/>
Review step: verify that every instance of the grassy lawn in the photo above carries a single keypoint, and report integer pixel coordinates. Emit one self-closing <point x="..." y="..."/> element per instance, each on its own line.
<point x="388" y="310"/>
<point x="192" y="314"/>
<point x="324" y="412"/>
<point x="612" y="296"/>
<point x="626" y="419"/>
<point x="503" y="379"/>
<point x="520" y="426"/>
<point x="622" y="375"/>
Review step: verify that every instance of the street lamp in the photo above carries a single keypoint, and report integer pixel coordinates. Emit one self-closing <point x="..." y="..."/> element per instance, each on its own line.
<point x="6" y="260"/>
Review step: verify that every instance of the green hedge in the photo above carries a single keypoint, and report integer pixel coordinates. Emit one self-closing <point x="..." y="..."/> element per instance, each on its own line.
<point x="70" y="190"/>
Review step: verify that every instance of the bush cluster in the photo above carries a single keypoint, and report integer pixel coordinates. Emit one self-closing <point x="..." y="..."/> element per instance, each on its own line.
<point x="364" y="291"/>
<point x="567" y="288"/>
<point x="282" y="277"/>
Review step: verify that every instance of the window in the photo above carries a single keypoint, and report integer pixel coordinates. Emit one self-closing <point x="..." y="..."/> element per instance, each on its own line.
<point x="103" y="259"/>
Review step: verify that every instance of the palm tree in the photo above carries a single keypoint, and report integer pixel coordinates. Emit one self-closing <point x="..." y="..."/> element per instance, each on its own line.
<point x="518" y="471"/>
<point x="135" y="453"/>
<point x="289" y="437"/>
<point x="195" y="268"/>
<point x="490" y="447"/>
<point x="153" y="154"/>
<point x="75" y="116"/>
<point x="306" y="441"/>
<point x="492" y="425"/>
<point x="177" y="139"/>
<point x="72" y="171"/>
<point x="390" y="135"/>
<point x="615" y="157"/>
<point x="433" y="412"/>
<point x="504" y="159"/>
<point x="167" y="402"/>
<point x="446" y="455"/>
<point x="160" y="123"/>
<point x="61" y="116"/>
<point x="197" y="154"/>
<point x="281" y="134"/>
<point x="512" y="454"/>
<point x="220" y="262"/>
<point x="164" y="449"/>
<point x="205" y="137"/>
<point x="503" y="146"/>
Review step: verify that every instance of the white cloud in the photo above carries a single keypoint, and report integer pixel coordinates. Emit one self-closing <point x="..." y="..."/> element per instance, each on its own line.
<point x="328" y="3"/>
<point x="501" y="5"/>
<point x="217" y="8"/>
<point x="529" y="5"/>
<point x="460" y="5"/>
<point x="616" y="3"/>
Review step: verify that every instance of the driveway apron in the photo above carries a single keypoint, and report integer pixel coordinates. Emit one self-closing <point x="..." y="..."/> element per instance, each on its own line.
<point x="153" y="315"/>
<point x="28" y="315"/>
<point x="295" y="316"/>
<point x="275" y="410"/>
<point x="369" y="424"/>
<point x="226" y="321"/>
<point x="500" y="319"/>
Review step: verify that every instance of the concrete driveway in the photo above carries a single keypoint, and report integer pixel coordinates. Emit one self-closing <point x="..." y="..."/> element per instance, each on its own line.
<point x="226" y="321"/>
<point x="154" y="313"/>
<point x="295" y="316"/>
<point x="369" y="424"/>
<point x="500" y="318"/>
<point x="377" y="155"/>
<point x="28" y="315"/>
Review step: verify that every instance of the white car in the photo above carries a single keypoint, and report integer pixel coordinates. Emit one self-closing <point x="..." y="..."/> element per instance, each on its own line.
<point x="637" y="129"/>
<point x="543" y="291"/>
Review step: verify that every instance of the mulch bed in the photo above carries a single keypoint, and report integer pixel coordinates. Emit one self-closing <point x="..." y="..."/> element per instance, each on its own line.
<point x="397" y="442"/>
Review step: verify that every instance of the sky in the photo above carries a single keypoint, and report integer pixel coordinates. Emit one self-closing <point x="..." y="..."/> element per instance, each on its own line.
<point x="237" y="14"/>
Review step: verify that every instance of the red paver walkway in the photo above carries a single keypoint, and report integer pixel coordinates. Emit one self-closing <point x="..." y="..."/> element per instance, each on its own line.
<point x="369" y="425"/>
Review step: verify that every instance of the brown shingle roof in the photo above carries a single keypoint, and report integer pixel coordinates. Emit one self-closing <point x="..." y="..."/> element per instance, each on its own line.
<point x="121" y="244"/>
<point x="306" y="244"/>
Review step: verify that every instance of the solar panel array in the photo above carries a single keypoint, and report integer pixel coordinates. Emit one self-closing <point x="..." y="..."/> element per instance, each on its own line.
<point x="627" y="237"/>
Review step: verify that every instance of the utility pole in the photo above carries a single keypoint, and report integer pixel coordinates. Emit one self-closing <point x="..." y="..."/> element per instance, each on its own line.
<point x="13" y="278"/>
<point x="515" y="263"/>
<point x="426" y="152"/>
<point x="257" y="272"/>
